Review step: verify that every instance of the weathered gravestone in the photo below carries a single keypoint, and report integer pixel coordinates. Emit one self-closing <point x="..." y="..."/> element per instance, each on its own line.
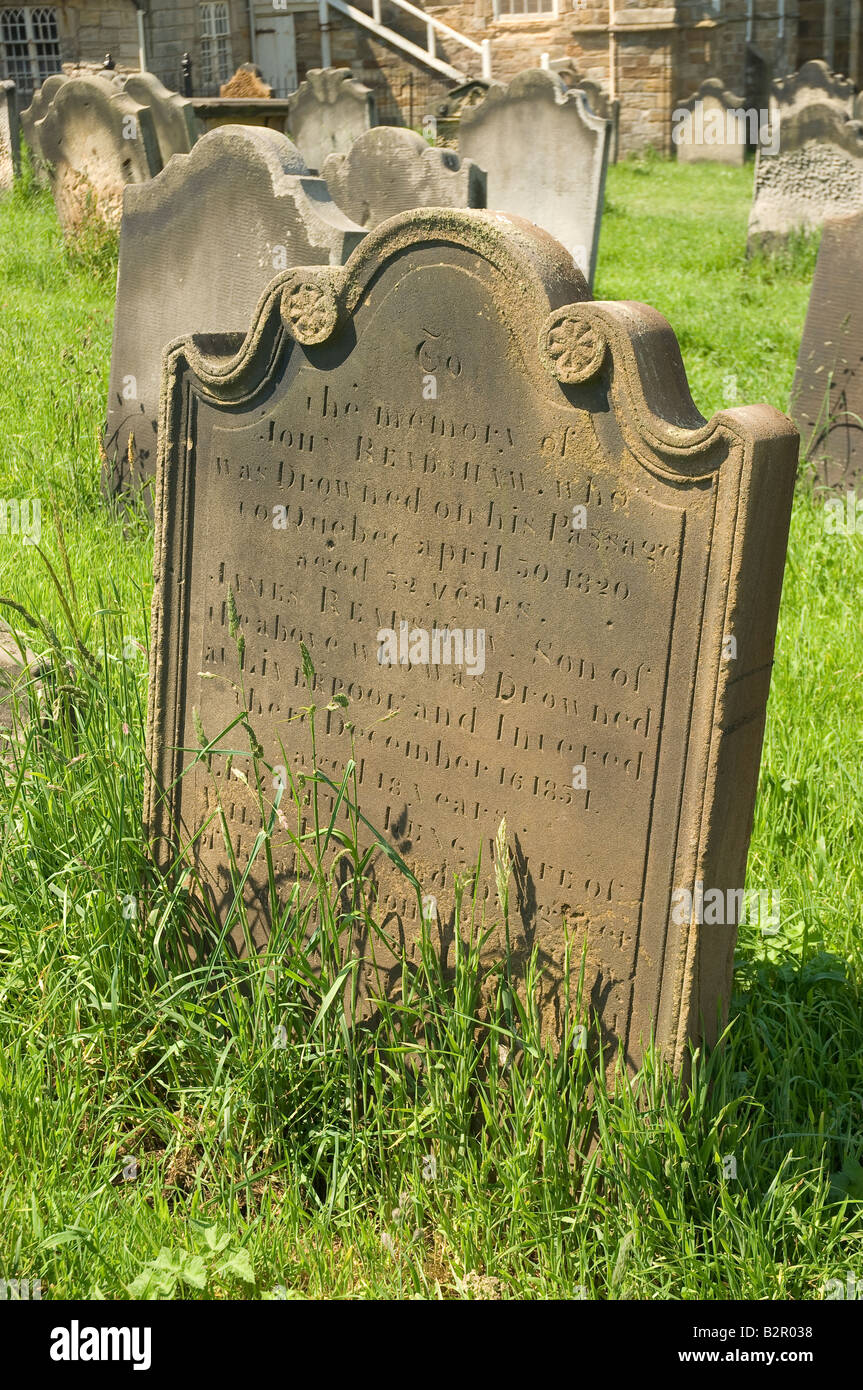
<point x="388" y="171"/>
<point x="328" y="112"/>
<point x="827" y="395"/>
<point x="814" y="171"/>
<point x="173" y="116"/>
<point x="198" y="246"/>
<point x="9" y="138"/>
<point x="95" y="140"/>
<point x="246" y="82"/>
<point x="523" y="582"/>
<point x="713" y="126"/>
<point x="30" y="117"/>
<point x="545" y="155"/>
<point x="598" y="97"/>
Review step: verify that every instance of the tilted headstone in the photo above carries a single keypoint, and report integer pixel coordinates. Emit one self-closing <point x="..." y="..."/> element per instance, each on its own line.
<point x="547" y="588"/>
<point x="816" y="174"/>
<point x="9" y="137"/>
<point x="173" y="115"/>
<point x="814" y="168"/>
<point x="198" y="246"/>
<point x="712" y="125"/>
<point x="545" y="155"/>
<point x="95" y="141"/>
<point x="827" y="395"/>
<point x="30" y="117"/>
<point x="598" y="97"/>
<point x="389" y="170"/>
<point x="328" y="112"/>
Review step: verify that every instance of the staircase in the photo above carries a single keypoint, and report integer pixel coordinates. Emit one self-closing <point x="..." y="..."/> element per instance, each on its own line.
<point x="427" y="56"/>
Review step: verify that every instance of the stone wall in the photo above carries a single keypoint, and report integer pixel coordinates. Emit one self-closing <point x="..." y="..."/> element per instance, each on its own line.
<point x="661" y="54"/>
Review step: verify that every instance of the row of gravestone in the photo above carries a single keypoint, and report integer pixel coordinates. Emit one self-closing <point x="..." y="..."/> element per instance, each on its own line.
<point x="477" y="498"/>
<point x="808" y="143"/>
<point x="179" y="275"/>
<point x="102" y="133"/>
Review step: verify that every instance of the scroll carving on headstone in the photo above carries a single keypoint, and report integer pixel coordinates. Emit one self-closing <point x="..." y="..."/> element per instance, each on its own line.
<point x="514" y="551"/>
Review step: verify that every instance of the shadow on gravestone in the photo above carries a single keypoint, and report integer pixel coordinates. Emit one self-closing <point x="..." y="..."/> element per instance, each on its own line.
<point x="328" y="112"/>
<point x="816" y="174"/>
<point x="30" y="117"/>
<point x="598" y="98"/>
<point x="198" y="246"/>
<point x="545" y="155"/>
<point x="711" y="126"/>
<point x="9" y="136"/>
<point x="522" y="586"/>
<point x="388" y="171"/>
<point x="827" y="395"/>
<point x="95" y="140"/>
<point x="173" y="116"/>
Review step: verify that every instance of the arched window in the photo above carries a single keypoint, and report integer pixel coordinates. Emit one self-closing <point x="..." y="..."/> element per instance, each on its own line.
<point x="29" y="47"/>
<point x="216" y="64"/>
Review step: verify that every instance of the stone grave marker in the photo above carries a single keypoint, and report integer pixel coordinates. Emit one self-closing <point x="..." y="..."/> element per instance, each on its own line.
<point x="328" y="112"/>
<point x="827" y="395"/>
<point x="389" y="170"/>
<point x="9" y="137"/>
<point x="95" y="140"/>
<point x="198" y="246"/>
<point x="545" y="154"/>
<point x="30" y="117"/>
<point x="598" y="97"/>
<point x="173" y="115"/>
<point x="816" y="170"/>
<point x="712" y="126"/>
<point x="489" y="509"/>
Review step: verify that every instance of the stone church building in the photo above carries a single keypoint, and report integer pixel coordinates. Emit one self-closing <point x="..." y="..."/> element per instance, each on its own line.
<point x="648" y="57"/>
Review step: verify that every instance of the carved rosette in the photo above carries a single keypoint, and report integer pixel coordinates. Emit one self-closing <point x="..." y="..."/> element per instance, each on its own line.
<point x="309" y="309"/>
<point x="571" y="346"/>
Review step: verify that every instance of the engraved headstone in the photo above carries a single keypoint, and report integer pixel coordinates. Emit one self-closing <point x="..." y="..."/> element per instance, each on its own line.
<point x="712" y="126"/>
<point x="489" y="509"/>
<point x="9" y="137"/>
<point x="198" y="246"/>
<point x="328" y="112"/>
<point x="814" y="170"/>
<point x="545" y="154"/>
<point x="827" y="395"/>
<point x="95" y="140"/>
<point x="173" y="115"/>
<point x="389" y="170"/>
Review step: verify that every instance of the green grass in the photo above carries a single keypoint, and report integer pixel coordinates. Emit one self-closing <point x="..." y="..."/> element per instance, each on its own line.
<point x="272" y="1149"/>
